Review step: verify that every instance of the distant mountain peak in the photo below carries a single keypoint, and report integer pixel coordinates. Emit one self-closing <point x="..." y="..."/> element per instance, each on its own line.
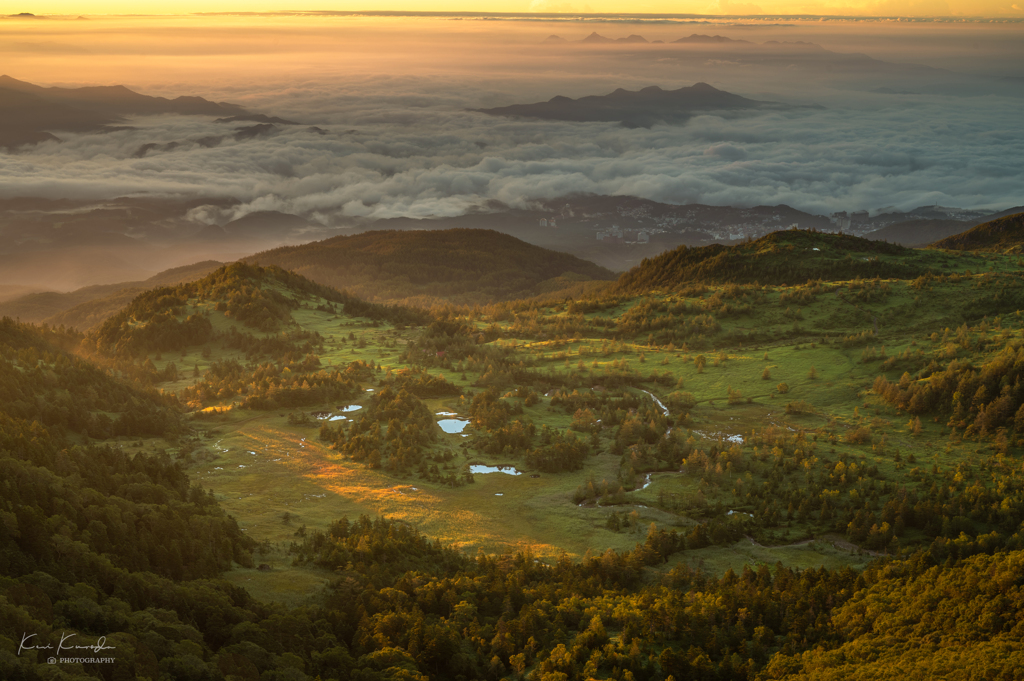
<point x="636" y="108"/>
<point x="701" y="38"/>
<point x="29" y="113"/>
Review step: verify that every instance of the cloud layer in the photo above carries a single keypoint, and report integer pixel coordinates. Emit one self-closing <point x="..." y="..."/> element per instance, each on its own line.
<point x="385" y="157"/>
<point x="404" y="143"/>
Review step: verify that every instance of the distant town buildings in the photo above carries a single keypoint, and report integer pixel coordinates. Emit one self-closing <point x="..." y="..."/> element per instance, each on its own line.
<point x="616" y="235"/>
<point x="841" y="220"/>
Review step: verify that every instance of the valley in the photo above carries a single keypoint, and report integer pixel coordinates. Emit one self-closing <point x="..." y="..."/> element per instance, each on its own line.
<point x="748" y="377"/>
<point x="512" y="344"/>
<point x="803" y="410"/>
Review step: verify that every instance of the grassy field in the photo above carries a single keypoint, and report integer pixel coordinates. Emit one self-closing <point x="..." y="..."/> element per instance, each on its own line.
<point x="262" y="470"/>
<point x="794" y="362"/>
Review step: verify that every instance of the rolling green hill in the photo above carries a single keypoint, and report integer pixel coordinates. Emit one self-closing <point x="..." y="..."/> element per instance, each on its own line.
<point x="790" y="257"/>
<point x="463" y="266"/>
<point x="175" y="318"/>
<point x="1005" y="235"/>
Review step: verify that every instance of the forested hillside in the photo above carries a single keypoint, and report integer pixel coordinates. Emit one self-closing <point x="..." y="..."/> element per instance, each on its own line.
<point x="92" y="538"/>
<point x="464" y="266"/>
<point x="1004" y="234"/>
<point x="789" y="257"/>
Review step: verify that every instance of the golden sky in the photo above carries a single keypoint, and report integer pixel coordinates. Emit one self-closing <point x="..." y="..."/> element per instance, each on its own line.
<point x="972" y="8"/>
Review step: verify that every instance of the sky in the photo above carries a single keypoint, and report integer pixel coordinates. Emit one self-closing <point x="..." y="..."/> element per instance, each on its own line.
<point x="908" y="8"/>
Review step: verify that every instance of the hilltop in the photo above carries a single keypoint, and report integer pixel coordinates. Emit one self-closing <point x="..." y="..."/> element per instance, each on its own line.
<point x="463" y="266"/>
<point x="1005" y="234"/>
<point x="261" y="298"/>
<point x="30" y="113"/>
<point x="89" y="306"/>
<point x="787" y="257"/>
<point x="927" y="224"/>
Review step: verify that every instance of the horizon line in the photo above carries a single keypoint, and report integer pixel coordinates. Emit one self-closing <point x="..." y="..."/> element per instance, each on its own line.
<point x="947" y="18"/>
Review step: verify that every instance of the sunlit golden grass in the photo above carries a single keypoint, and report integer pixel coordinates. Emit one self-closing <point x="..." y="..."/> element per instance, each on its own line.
<point x="292" y="473"/>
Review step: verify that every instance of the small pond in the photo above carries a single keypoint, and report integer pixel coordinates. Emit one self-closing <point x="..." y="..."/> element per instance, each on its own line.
<point x="707" y="435"/>
<point x="453" y="425"/>
<point x="480" y="469"/>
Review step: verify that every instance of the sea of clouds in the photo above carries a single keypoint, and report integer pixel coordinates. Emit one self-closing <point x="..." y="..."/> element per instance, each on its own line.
<point x="409" y="143"/>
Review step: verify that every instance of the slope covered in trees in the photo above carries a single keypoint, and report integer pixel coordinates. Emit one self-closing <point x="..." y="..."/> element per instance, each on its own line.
<point x="466" y="266"/>
<point x="912" y="619"/>
<point x="1004" y="234"/>
<point x="790" y="257"/>
<point x="92" y="538"/>
<point x="42" y="381"/>
<point x="259" y="298"/>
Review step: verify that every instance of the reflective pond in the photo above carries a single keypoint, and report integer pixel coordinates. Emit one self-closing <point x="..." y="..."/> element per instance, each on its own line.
<point x="507" y="470"/>
<point x="453" y="425"/>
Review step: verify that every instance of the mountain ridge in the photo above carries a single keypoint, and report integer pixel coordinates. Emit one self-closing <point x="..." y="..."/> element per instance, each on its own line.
<point x="1005" y="234"/>
<point x="29" y="113"/>
<point x="462" y="266"/>
<point x="636" y="108"/>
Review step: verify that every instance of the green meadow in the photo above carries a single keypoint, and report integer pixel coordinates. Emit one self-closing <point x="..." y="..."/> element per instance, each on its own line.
<point x="751" y="373"/>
